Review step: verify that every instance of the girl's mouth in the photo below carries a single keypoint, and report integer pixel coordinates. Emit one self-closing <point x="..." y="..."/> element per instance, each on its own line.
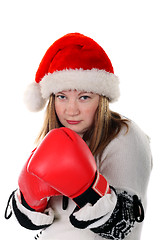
<point x="73" y="122"/>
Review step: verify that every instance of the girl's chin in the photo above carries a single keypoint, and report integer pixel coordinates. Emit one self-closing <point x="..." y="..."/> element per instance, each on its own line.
<point x="75" y="129"/>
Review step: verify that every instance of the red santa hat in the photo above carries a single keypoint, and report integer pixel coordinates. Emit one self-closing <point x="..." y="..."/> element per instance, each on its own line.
<point x="73" y="62"/>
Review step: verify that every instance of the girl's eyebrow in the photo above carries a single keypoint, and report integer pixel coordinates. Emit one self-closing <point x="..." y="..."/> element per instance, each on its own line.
<point x="60" y="93"/>
<point x="63" y="93"/>
<point x="84" y="93"/>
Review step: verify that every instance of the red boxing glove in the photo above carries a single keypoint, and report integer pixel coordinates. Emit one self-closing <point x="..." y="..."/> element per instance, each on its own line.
<point x="64" y="161"/>
<point x="34" y="191"/>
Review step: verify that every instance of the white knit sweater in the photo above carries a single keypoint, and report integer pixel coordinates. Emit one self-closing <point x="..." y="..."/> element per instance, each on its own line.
<point x="126" y="164"/>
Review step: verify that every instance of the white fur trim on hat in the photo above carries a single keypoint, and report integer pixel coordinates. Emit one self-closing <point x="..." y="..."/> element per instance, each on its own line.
<point x="94" y="80"/>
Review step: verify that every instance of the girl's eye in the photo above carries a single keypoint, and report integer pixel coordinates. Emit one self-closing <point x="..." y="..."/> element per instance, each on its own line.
<point x="61" y="97"/>
<point x="84" y="97"/>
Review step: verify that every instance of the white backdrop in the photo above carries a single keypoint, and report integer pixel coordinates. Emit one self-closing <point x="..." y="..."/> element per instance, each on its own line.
<point x="129" y="33"/>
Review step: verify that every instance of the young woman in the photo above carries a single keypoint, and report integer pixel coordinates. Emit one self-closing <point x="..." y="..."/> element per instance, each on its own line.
<point x="88" y="176"/>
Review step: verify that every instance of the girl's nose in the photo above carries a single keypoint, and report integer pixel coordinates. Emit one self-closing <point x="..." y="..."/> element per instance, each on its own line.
<point x="72" y="108"/>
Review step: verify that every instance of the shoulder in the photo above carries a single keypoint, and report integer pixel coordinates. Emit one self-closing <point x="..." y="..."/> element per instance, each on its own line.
<point x="130" y="144"/>
<point x="130" y="139"/>
<point x="135" y="130"/>
<point x="127" y="157"/>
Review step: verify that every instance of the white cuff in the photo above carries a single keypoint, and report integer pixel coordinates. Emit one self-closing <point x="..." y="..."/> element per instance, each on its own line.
<point x="37" y="218"/>
<point x="103" y="209"/>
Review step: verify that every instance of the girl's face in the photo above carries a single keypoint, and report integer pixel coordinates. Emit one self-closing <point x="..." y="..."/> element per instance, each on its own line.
<point x="76" y="109"/>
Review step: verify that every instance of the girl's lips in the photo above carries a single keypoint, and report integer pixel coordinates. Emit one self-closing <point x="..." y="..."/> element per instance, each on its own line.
<point x="73" y="122"/>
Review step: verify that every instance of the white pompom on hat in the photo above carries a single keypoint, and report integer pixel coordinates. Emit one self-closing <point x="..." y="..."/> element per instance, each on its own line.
<point x="73" y="62"/>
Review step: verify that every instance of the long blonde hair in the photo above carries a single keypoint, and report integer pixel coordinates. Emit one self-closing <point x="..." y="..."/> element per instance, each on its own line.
<point x="106" y="125"/>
